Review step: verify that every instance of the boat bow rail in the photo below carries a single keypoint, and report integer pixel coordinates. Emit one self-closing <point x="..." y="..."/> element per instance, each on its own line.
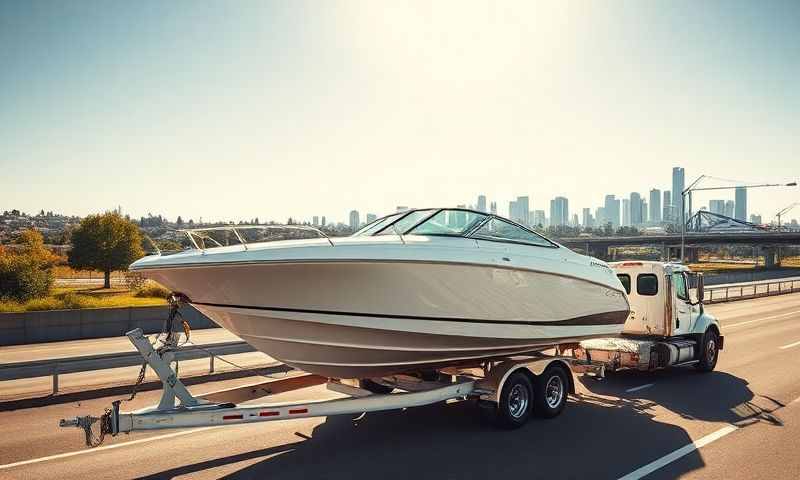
<point x="199" y="237"/>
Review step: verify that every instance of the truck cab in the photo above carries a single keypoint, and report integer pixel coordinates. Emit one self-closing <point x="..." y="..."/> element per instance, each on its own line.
<point x="667" y="325"/>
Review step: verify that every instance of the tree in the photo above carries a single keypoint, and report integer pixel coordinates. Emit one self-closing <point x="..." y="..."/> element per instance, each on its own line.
<point x="179" y="221"/>
<point x="105" y="242"/>
<point x="28" y="273"/>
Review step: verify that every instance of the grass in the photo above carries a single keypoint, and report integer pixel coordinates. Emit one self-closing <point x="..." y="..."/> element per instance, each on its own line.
<point x="68" y="298"/>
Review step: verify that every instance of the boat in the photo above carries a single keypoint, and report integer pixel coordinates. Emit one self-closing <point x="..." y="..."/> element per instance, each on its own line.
<point x="410" y="292"/>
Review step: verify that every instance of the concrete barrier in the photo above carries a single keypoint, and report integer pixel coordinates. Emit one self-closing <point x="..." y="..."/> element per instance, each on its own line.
<point x="59" y="325"/>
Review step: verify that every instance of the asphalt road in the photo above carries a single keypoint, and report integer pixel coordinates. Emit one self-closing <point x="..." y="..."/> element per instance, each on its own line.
<point x="741" y="421"/>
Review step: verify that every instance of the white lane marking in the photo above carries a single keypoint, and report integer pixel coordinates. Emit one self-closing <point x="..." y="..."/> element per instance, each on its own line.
<point x="640" y="387"/>
<point x="681" y="452"/>
<point x="790" y="345"/>
<point x="795" y="312"/>
<point x="100" y="449"/>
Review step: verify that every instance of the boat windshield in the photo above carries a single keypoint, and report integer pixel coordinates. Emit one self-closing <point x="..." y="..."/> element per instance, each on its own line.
<point x="402" y="225"/>
<point x="373" y="227"/>
<point x="449" y="223"/>
<point x="499" y="230"/>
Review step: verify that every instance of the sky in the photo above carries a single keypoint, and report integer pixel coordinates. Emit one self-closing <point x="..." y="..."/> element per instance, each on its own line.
<point x="235" y="110"/>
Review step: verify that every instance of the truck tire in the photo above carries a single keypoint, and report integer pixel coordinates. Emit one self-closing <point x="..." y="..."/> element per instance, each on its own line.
<point x="516" y="402"/>
<point x="709" y="351"/>
<point x="552" y="388"/>
<point x="374" y="387"/>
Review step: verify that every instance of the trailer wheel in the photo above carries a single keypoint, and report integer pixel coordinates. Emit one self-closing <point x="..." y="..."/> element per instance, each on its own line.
<point x="551" y="392"/>
<point x="374" y="386"/>
<point x="516" y="402"/>
<point x="709" y="351"/>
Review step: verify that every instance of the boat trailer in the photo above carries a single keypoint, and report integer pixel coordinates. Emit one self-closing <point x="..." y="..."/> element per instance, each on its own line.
<point x="507" y="390"/>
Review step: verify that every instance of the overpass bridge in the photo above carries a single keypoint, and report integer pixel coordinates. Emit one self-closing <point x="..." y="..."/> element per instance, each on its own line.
<point x="767" y="243"/>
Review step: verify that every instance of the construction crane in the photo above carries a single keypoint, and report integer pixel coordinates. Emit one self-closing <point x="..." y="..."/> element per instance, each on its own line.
<point x="785" y="210"/>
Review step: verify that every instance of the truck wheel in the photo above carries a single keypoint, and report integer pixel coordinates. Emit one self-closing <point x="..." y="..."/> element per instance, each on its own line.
<point x="516" y="401"/>
<point x="709" y="351"/>
<point x="551" y="392"/>
<point x="374" y="387"/>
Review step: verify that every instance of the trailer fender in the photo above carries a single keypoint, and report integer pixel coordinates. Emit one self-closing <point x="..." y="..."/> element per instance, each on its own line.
<point x="491" y="386"/>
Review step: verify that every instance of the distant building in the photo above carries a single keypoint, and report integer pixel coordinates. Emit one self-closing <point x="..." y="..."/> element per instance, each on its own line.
<point x="755" y="219"/>
<point x="611" y="211"/>
<point x="600" y="217"/>
<point x="666" y="215"/>
<point x="539" y="218"/>
<point x="493" y="208"/>
<point x="354" y="220"/>
<point x="645" y="212"/>
<point x="519" y="209"/>
<point x="371" y="217"/>
<point x="636" y="209"/>
<point x="575" y="222"/>
<point x="717" y="206"/>
<point x="729" y="206"/>
<point x="626" y="212"/>
<point x="655" y="206"/>
<point x="402" y="209"/>
<point x="323" y="221"/>
<point x="481" y="203"/>
<point x="588" y="221"/>
<point x="315" y="220"/>
<point x="741" y="203"/>
<point x="559" y="211"/>
<point x="678" y="184"/>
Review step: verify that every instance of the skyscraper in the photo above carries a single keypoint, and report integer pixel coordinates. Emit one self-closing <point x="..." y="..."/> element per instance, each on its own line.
<point x="755" y="219"/>
<point x="626" y="212"/>
<point x="493" y="208"/>
<point x="559" y="211"/>
<point x="587" y="218"/>
<point x="315" y="220"/>
<point x="667" y="214"/>
<point x="741" y="203"/>
<point x="716" y="206"/>
<point x="539" y="218"/>
<point x="523" y="210"/>
<point x="655" y="205"/>
<point x="600" y="217"/>
<point x="575" y="222"/>
<point x="354" y="220"/>
<point x="611" y="211"/>
<point x="729" y="208"/>
<point x="323" y="221"/>
<point x="678" y="184"/>
<point x="645" y="214"/>
<point x="636" y="209"/>
<point x="481" y="203"/>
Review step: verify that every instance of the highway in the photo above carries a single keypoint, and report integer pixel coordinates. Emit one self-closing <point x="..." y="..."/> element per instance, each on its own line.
<point x="741" y="421"/>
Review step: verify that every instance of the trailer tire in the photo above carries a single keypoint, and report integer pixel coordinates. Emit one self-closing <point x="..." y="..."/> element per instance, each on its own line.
<point x="516" y="402"/>
<point x="709" y="351"/>
<point x="374" y="387"/>
<point x="552" y="388"/>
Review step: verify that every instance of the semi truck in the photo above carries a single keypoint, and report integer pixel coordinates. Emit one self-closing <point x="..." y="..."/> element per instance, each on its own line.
<point x="667" y="325"/>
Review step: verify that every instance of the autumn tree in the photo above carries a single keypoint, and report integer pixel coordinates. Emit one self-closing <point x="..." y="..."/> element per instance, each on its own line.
<point x="106" y="243"/>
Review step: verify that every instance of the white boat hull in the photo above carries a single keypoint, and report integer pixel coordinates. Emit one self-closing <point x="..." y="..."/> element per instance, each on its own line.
<point x="357" y="319"/>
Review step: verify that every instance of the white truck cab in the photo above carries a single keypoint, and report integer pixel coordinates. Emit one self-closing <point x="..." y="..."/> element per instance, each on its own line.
<point x="667" y="325"/>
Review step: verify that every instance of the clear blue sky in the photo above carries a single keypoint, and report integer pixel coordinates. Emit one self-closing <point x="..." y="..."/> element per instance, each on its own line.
<point x="271" y="109"/>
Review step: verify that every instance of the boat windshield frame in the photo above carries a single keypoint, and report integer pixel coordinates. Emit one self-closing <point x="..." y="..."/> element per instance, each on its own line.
<point x="469" y="233"/>
<point x="194" y="234"/>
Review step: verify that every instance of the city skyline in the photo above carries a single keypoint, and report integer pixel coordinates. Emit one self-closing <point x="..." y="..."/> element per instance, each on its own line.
<point x="290" y="109"/>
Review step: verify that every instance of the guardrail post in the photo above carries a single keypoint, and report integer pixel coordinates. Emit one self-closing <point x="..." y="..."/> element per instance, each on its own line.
<point x="55" y="379"/>
<point x="211" y="364"/>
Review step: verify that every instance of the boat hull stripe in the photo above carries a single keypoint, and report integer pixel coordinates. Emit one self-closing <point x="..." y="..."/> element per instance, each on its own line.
<point x="607" y="318"/>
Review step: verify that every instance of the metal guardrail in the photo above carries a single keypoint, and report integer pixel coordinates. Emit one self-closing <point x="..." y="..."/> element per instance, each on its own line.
<point x="56" y="366"/>
<point x="730" y="293"/>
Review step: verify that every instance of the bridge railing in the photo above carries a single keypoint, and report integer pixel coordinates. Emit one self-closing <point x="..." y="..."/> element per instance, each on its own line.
<point x="729" y="293"/>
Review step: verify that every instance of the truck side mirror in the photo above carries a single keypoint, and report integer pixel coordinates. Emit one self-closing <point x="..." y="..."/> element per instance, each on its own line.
<point x="700" y="288"/>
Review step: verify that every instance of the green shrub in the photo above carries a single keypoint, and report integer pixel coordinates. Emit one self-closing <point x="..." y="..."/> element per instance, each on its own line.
<point x="153" y="290"/>
<point x="23" y="277"/>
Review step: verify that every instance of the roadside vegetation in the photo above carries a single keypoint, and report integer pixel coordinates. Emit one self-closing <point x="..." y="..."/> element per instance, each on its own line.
<point x="32" y="278"/>
<point x="65" y="298"/>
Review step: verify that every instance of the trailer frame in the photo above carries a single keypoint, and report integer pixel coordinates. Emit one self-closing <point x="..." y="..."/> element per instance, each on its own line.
<point x="484" y="382"/>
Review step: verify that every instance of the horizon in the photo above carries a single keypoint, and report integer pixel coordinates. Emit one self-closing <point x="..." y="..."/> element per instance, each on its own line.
<point x="271" y="110"/>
